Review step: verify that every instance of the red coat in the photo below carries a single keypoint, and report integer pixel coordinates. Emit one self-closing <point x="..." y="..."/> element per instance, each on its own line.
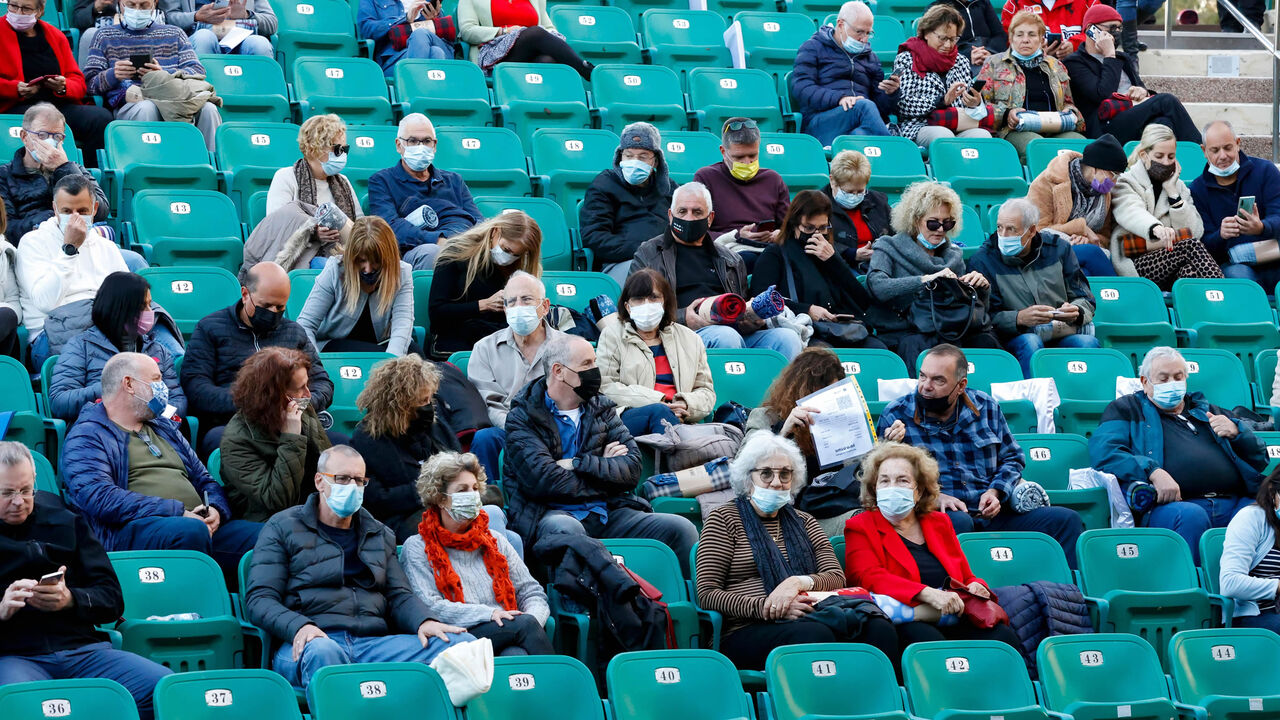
<point x="877" y="559"/>
<point x="11" y="64"/>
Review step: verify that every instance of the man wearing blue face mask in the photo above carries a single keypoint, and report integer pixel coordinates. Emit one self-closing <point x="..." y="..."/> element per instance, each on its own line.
<point x="423" y="204"/>
<point x="1183" y="463"/>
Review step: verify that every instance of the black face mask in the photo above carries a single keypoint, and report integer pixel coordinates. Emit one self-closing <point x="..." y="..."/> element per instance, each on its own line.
<point x="264" y="320"/>
<point x="933" y="406"/>
<point x="371" y="277"/>
<point x="689" y="231"/>
<point x="426" y="414"/>
<point x="589" y="384"/>
<point x="1160" y="172"/>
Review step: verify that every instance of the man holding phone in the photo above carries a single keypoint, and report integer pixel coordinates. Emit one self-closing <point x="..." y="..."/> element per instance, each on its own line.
<point x="211" y="23"/>
<point x="1238" y="198"/>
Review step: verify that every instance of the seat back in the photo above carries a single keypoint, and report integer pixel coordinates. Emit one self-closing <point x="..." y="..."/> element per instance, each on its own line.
<point x="687" y="152"/>
<point x="11" y="138"/>
<point x="1230" y="662"/>
<point x="252" y="87"/>
<point x="1112" y="668"/>
<point x="165" y="582"/>
<point x="576" y="289"/>
<point x="571" y="158"/>
<point x="252" y="152"/>
<point x="868" y="367"/>
<point x="349" y="373"/>
<point x="987" y="366"/>
<point x="974" y="157"/>
<point x="693" y="28"/>
<point x="301" y="282"/>
<point x="313" y="27"/>
<point x="422" y="298"/>
<point x="797" y="157"/>
<point x="46" y="476"/>
<point x="1211" y="543"/>
<point x="70" y="699"/>
<point x="1050" y="457"/>
<point x="190" y="293"/>
<point x="1264" y="372"/>
<point x="1220" y="375"/>
<point x="626" y="93"/>
<point x="661" y="684"/>
<point x="741" y="374"/>
<point x="1014" y="558"/>
<point x="771" y="40"/>
<point x="895" y="161"/>
<point x="356" y="87"/>
<point x="373" y="148"/>
<point x="948" y="675"/>
<point x="722" y="93"/>
<point x="1134" y="559"/>
<point x="534" y="95"/>
<point x="1190" y="158"/>
<point x="1042" y="150"/>
<point x="1082" y="374"/>
<point x="813" y="679"/>
<point x="1220" y="301"/>
<point x="556" y="250"/>
<point x="187" y="214"/>
<point x="598" y="34"/>
<point x="225" y="694"/>
<point x="460" y="360"/>
<point x="491" y="160"/>
<point x="338" y="692"/>
<point x="1130" y="315"/>
<point x="653" y="561"/>
<point x="538" y="687"/>
<point x="16" y="381"/>
<point x="889" y="34"/>
<point x="450" y="92"/>
<point x="134" y="142"/>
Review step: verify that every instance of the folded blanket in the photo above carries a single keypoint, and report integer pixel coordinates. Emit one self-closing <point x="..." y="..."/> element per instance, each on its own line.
<point x="1049" y="123"/>
<point x="1134" y="245"/>
<point x="768" y="303"/>
<point x="720" y="309"/>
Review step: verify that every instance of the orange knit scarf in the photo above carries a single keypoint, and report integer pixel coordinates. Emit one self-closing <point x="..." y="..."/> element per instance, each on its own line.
<point x="436" y="537"/>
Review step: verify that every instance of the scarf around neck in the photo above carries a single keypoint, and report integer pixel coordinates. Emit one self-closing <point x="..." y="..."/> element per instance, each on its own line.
<point x="773" y="567"/>
<point x="307" y="189"/>
<point x="925" y="59"/>
<point x="436" y="538"/>
<point x="1085" y="203"/>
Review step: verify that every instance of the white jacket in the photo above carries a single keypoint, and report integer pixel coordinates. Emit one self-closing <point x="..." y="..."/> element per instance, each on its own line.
<point x="49" y="278"/>
<point x="9" y="295"/>
<point x="1136" y="209"/>
<point x="628" y="373"/>
<point x="1248" y="540"/>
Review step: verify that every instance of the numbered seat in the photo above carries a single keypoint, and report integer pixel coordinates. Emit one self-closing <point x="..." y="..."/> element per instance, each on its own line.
<point x="1220" y="376"/>
<point x="598" y="34"/>
<point x="373" y="148"/>
<point x="170" y="582"/>
<point x="868" y="367"/>
<point x="1014" y="558"/>
<point x="743" y="375"/>
<point x="187" y="227"/>
<point x="683" y="39"/>
<point x="568" y="161"/>
<point x="771" y="40"/>
<point x="688" y="152"/>
<point x="190" y="293"/>
<point x="1229" y="672"/>
<point x="946" y="679"/>
<point x="72" y="699"/>
<point x="984" y="171"/>
<point x="225" y="695"/>
<point x="1228" y="314"/>
<point x="313" y="28"/>
<point x="657" y="563"/>
<point x="1050" y="458"/>
<point x="625" y="94"/>
<point x="576" y="289"/>
<point x="556" y="249"/>
<point x="353" y="88"/>
<point x="1104" y="675"/>
<point x="662" y="684"/>
<point x="250" y="153"/>
<point x="1129" y="314"/>
<point x="538" y="687"/>
<point x="1042" y="151"/>
<point x="349" y="373"/>
<point x="338" y="692"/>
<point x="716" y="94"/>
<point x="29" y="424"/>
<point x="490" y="160"/>
<point x="529" y="96"/>
<point x="252" y="88"/>
<point x="1086" y="381"/>
<point x="1142" y="581"/>
<point x="797" y="157"/>
<point x="1272" y="440"/>
<point x="888" y="35"/>
<point x="895" y="161"/>
<point x="1190" y="157"/>
<point x="812" y="680"/>
<point x="154" y="155"/>
<point x="453" y="93"/>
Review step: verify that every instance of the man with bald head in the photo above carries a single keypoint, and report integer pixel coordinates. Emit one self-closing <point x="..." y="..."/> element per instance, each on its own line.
<point x="139" y="485"/>
<point x="224" y="339"/>
<point x="1243" y="241"/>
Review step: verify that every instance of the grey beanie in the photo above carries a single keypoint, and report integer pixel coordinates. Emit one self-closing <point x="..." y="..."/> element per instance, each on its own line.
<point x="641" y="135"/>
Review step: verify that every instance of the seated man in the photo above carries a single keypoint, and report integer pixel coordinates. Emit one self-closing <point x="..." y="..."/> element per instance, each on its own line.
<point x="979" y="459"/>
<point x="1039" y="295"/>
<point x="110" y="72"/>
<point x="572" y="467"/>
<point x="1064" y="17"/>
<point x="838" y="83"/>
<point x="48" y="627"/>
<point x="405" y="30"/>
<point x="1183" y="463"/>
<point x="506" y="361"/>
<point x="746" y="194"/>
<point x="326" y="583"/>
<point x="696" y="267"/>
<point x="422" y="203"/>
<point x="225" y="338"/>
<point x="211" y="24"/>
<point x="135" y="479"/>
<point x="1242" y="241"/>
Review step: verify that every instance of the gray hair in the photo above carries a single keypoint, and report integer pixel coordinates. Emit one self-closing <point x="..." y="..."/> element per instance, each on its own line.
<point x="542" y="289"/>
<point x="689" y="187"/>
<point x="1203" y="131"/>
<point x="854" y="9"/>
<point x="120" y="366"/>
<point x="409" y="120"/>
<point x="760" y="444"/>
<point x="1027" y="211"/>
<point x="743" y="136"/>
<point x="1160" y="352"/>
<point x="14" y="454"/>
<point x="322" y="465"/>
<point x="41" y="110"/>
<point x="559" y="351"/>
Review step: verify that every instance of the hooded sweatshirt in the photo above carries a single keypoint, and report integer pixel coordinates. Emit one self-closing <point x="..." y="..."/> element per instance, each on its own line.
<point x="616" y="216"/>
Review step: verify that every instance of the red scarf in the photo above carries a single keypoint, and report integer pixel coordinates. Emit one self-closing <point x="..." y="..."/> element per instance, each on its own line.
<point x="436" y="537"/>
<point x="925" y="59"/>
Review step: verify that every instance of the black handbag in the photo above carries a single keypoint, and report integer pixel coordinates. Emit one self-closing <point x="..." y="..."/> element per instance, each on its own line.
<point x="949" y="309"/>
<point x="836" y="334"/>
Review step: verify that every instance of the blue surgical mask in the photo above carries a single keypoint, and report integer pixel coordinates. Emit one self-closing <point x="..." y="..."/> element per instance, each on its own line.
<point x="853" y="46"/>
<point x="635" y="171"/>
<point x="1167" y="395"/>
<point x="925" y="242"/>
<point x="768" y="500"/>
<point x="1026" y="60"/>
<point x="1224" y="172"/>
<point x="334" y="164"/>
<point x="1009" y="245"/>
<point x="137" y="19"/>
<point x="523" y="319"/>
<point x="895" y="502"/>
<point x="344" y="500"/>
<point x="159" y="398"/>
<point x="418" y="157"/>
<point x="848" y="200"/>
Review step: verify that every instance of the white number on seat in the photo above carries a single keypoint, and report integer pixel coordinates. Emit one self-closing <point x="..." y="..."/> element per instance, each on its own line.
<point x="533" y="78"/>
<point x="1091" y="658"/>
<point x="969" y="153"/>
<point x="1223" y="652"/>
<point x="1040" y="454"/>
<point x="217" y="698"/>
<point x="631" y="80"/>
<point x="259" y="139"/>
<point x="566" y="289"/>
<point x="957" y="664"/>
<point x="775" y="149"/>
<point x="180" y="208"/>
<point x="151" y="138"/>
<point x="675" y="147"/>
<point x="1214" y="295"/>
<point x="520" y="681"/>
<point x="55" y="708"/>
<point x="1273" y="451"/>
<point x="573" y="145"/>
<point x="667" y="675"/>
<point x="771" y="27"/>
<point x="15" y="131"/>
<point x="851" y="367"/>
<point x="728" y="83"/>
<point x="1193" y="366"/>
<point x="680" y="24"/>
<point x="232" y="70"/>
<point x="971" y="368"/>
<point x="735" y="368"/>
<point x="587" y="20"/>
<point x="1077" y="367"/>
<point x="871" y="151"/>
<point x="182" y="287"/>
<point x="1127" y="550"/>
<point x="470" y="143"/>
<point x="364" y="141"/>
<point x="305" y="9"/>
<point x="333" y="73"/>
<point x="824" y="668"/>
<point x="1110" y="294"/>
<point x="350" y="372"/>
<point x="1001" y="554"/>
<point x="435" y="75"/>
<point x="373" y="689"/>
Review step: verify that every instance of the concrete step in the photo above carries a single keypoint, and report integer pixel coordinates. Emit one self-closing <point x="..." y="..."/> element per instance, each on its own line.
<point x="1196" y="37"/>
<point x="1198" y="63"/>
<point x="1204" y="89"/>
<point x="1246" y="118"/>
<point x="1257" y="145"/>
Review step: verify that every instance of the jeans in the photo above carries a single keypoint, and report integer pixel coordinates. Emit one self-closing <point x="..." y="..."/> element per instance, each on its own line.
<point x="1129" y="9"/>
<point x="1094" y="261"/>
<point x="861" y="119"/>
<point x="1266" y="621"/>
<point x="1060" y="523"/>
<point x="783" y="340"/>
<point x="674" y="531"/>
<point x="648" y="419"/>
<point x="226" y="546"/>
<point x="522" y="636"/>
<point x="206" y="43"/>
<point x="341" y="648"/>
<point x="422" y="257"/>
<point x="1265" y="275"/>
<point x="487" y="445"/>
<point x="619" y="271"/>
<point x="133" y="260"/>
<point x="137" y="674"/>
<point x="498" y="524"/>
<point x="423" y="45"/>
<point x="1025" y="345"/>
<point x="1191" y="518"/>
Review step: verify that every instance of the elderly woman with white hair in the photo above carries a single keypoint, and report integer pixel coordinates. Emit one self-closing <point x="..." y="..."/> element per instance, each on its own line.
<point x="911" y="261"/>
<point x="759" y="556"/>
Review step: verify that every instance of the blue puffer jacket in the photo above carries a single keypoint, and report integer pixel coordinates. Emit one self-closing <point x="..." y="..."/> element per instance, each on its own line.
<point x="1256" y="177"/>
<point x="77" y="376"/>
<point x="824" y="73"/>
<point x="95" y="467"/>
<point x="1043" y="609"/>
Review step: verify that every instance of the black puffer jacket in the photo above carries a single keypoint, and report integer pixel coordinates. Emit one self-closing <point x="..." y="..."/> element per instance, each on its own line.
<point x="1043" y="609"/>
<point x="533" y="479"/>
<point x="393" y="463"/>
<point x="617" y="216"/>
<point x="28" y="195"/>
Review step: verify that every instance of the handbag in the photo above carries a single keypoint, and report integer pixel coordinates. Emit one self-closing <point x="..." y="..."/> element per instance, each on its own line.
<point x="984" y="613"/>
<point x="949" y="309"/>
<point x="680" y="447"/>
<point x="837" y="334"/>
<point x="466" y="669"/>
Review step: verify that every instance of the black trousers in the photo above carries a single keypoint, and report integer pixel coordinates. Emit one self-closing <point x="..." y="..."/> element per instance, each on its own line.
<point x="1161" y="108"/>
<point x="9" y="333"/>
<point x="88" y="123"/>
<point x="349" y="345"/>
<point x="749" y="646"/>
<point x="521" y="636"/>
<point x="535" y="44"/>
<point x="1253" y="10"/>
<point x="914" y="632"/>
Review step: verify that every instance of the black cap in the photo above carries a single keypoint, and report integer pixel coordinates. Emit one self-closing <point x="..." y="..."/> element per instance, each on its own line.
<point x="1106" y="153"/>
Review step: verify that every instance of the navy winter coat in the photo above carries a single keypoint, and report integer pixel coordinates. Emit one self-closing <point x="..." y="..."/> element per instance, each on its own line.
<point x="1043" y="609"/>
<point x="1256" y="177"/>
<point x="393" y="194"/>
<point x="77" y="376"/>
<point x="824" y="73"/>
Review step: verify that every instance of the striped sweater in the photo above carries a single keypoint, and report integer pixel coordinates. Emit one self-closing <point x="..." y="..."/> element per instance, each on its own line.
<point x="728" y="577"/>
<point x="166" y="44"/>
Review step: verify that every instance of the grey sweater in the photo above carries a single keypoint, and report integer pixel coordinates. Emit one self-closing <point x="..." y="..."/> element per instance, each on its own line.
<point x="477" y="586"/>
<point x="897" y="264"/>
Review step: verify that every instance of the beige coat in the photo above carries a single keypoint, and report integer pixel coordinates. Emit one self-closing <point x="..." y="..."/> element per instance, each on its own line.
<point x="475" y="23"/>
<point x="1051" y="192"/>
<point x="1136" y="209"/>
<point x="626" y="367"/>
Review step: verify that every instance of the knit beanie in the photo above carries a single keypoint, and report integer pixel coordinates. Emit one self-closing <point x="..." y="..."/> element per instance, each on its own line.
<point x="641" y="135"/>
<point x="1099" y="14"/>
<point x="1106" y="153"/>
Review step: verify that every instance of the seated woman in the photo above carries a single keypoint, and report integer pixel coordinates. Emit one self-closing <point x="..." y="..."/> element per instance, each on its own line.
<point x="272" y="444"/>
<point x="465" y="572"/>
<point x="904" y="548"/>
<point x="1073" y="195"/>
<point x="471" y="271"/>
<point x="935" y="78"/>
<point x="926" y="218"/>
<point x="123" y="321"/>
<point x="652" y="367"/>
<point x="363" y="299"/>
<point x="859" y="214"/>
<point x="515" y="31"/>
<point x="10" y="298"/>
<point x="805" y="267"/>
<point x="1158" y="229"/>
<point x="1250" y="570"/>
<point x="1029" y="89"/>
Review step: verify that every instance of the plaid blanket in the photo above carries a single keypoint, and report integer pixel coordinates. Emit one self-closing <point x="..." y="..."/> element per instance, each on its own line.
<point x="949" y="117"/>
<point x="695" y="481"/>
<point x="1134" y="245"/>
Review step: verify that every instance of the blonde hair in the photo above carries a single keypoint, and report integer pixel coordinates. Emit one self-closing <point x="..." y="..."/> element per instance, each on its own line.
<point x="1025" y="17"/>
<point x="919" y="200"/>
<point x="390" y="397"/>
<point x="442" y="469"/>
<point x="371" y="239"/>
<point x="925" y="467"/>
<point x="316" y="136"/>
<point x="1152" y="135"/>
<point x="850" y="166"/>
<point x="472" y="246"/>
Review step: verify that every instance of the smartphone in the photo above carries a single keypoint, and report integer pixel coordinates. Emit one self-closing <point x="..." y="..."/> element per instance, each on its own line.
<point x="52" y="578"/>
<point x="38" y="80"/>
<point x="766" y="225"/>
<point x="204" y="509"/>
<point x="1246" y="206"/>
<point x="978" y="85"/>
<point x="139" y="61"/>
<point x="1092" y="32"/>
<point x="1053" y="38"/>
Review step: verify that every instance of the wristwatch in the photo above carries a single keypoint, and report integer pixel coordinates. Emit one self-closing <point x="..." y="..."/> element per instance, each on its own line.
<point x="69" y="249"/>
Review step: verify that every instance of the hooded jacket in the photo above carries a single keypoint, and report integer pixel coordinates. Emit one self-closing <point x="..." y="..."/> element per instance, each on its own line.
<point x="1051" y="192"/>
<point x="626" y="364"/>
<point x="1136" y="208"/>
<point x="1049" y="275"/>
<point x="1256" y="177"/>
<point x="49" y="278"/>
<point x="77" y="376"/>
<point x="616" y="216"/>
<point x="824" y="73"/>
<point x="28" y="194"/>
<point x="897" y="264"/>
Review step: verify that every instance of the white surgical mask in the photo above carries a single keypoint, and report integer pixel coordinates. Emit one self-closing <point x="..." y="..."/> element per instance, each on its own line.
<point x="501" y="257"/>
<point x="647" y="315"/>
<point x="848" y="200"/>
<point x="137" y="19"/>
<point x="895" y="502"/>
<point x="464" y="506"/>
<point x="419" y="157"/>
<point x="769" y="500"/>
<point x="1224" y="172"/>
<point x="523" y="319"/>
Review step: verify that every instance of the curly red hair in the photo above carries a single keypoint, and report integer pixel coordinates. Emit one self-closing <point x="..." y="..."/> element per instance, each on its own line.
<point x="262" y="384"/>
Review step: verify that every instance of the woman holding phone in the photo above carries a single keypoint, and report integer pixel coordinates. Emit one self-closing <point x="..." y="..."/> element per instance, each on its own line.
<point x="403" y="29"/>
<point x="935" y="77"/>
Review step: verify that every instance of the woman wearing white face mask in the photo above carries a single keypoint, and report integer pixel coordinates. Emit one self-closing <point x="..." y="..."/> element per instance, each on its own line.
<point x="316" y="178"/>
<point x="859" y="214"/>
<point x="466" y="573"/>
<point x="758" y="557"/>
<point x="653" y="368"/>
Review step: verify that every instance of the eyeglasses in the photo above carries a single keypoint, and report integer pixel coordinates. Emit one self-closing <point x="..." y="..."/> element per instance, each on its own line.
<point x="23" y="9"/>
<point x="935" y="225"/>
<point x="415" y="142"/>
<point x="768" y="474"/>
<point x="145" y="437"/>
<point x="22" y="493"/>
<point x="523" y="300"/>
<point x="945" y="39"/>
<point x="736" y="125"/>
<point x="1113" y="29"/>
<point x="341" y="149"/>
<point x="41" y="134"/>
<point x="360" y="481"/>
<point x="811" y="229"/>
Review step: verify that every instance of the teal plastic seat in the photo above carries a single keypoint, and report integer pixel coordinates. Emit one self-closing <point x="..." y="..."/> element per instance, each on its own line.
<point x="684" y="39"/>
<point x="889" y="34"/>
<point x="1220" y="376"/>
<point x="556" y="250"/>
<point x="538" y="687"/>
<point x="353" y="88"/>
<point x="1130" y="314"/>
<point x="868" y="367"/>
<point x="895" y="161"/>
<point x="1050" y="458"/>
<point x="387" y="689"/>
<point x="1014" y="558"/>
<point x="625" y="94"/>
<point x="490" y="160"/>
<point x="1272" y="441"/>
<point x="771" y="40"/>
<point x="1190" y="157"/>
<point x="530" y="96"/>
<point x="1227" y="314"/>
<point x="664" y="684"/>
<point x="154" y="155"/>
<point x="905" y="11"/>
<point x="1264" y="370"/>
<point x="984" y="171"/>
<point x="422" y="299"/>
<point x="814" y="8"/>
<point x="598" y="34"/>
<point x="1105" y="675"/>
<point x="743" y="374"/>
<point x="949" y="680"/>
<point x="1211" y="546"/>
<point x="797" y="157"/>
<point x="252" y="88"/>
<point x="717" y="94"/>
<point x="688" y="152"/>
<point x="46" y="477"/>
<point x="188" y="227"/>
<point x="30" y="424"/>
<point x="657" y="563"/>
<point x="970" y="237"/>
<point x="1086" y="381"/>
<point x="190" y="293"/>
<point x="568" y="160"/>
<point x="72" y="699"/>
<point x="350" y="372"/>
<point x="576" y="289"/>
<point x="1229" y="672"/>
<point x="453" y="93"/>
<point x="313" y="28"/>
<point x="460" y="359"/>
<point x="1042" y="150"/>
<point x="813" y="680"/>
<point x="301" y="281"/>
<point x="250" y="153"/>
<point x="373" y="148"/>
<point x="225" y="695"/>
<point x="214" y="466"/>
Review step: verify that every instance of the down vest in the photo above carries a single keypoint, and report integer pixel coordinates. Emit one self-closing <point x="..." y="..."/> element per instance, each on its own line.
<point x="77" y="376"/>
<point x="1043" y="609"/>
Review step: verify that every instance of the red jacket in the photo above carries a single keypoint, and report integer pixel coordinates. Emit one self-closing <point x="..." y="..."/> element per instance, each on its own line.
<point x="1066" y="17"/>
<point x="11" y="64"/>
<point x="878" y="560"/>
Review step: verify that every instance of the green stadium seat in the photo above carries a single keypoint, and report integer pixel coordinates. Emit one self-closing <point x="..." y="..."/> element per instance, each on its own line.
<point x="29" y="425"/>
<point x="717" y="94"/>
<point x="1228" y="314"/>
<point x="250" y="153"/>
<point x="888" y="35"/>
<point x="460" y="359"/>
<point x="538" y="687"/>
<point x="688" y="152"/>
<point x="815" y="9"/>
<point x="662" y="684"/>
<point x="1014" y="558"/>
<point x="422" y="299"/>
<point x="490" y="160"/>
<point x="743" y="375"/>
<point x="568" y="160"/>
<point x="683" y="39"/>
<point x="72" y="699"/>
<point x="625" y="94"/>
<point x="453" y="93"/>
<point x="11" y="140"/>
<point x="987" y="366"/>
<point x="349" y="373"/>
<point x="1105" y="675"/>
<point x="252" y="88"/>
<point x="256" y="211"/>
<point x="46" y="476"/>
<point x="190" y="293"/>
<point x="167" y="582"/>
<point x="1211" y="544"/>
<point x="1050" y="458"/>
<point x="637" y="8"/>
<point x="985" y="172"/>
<point x="353" y="88"/>
<point x="1220" y="376"/>
<point x="187" y="227"/>
<point x="808" y="681"/>
<point x="895" y="161"/>
<point x="226" y="695"/>
<point x="301" y="282"/>
<point x="1086" y="381"/>
<point x="1264" y="372"/>
<point x="1229" y="672"/>
<point x="1130" y="315"/>
<point x="905" y="11"/>
<point x="406" y="689"/>
<point x="1272" y="440"/>
<point x="771" y="40"/>
<point x="576" y="289"/>
<point x="529" y="96"/>
<point x="313" y="28"/>
<point x="1142" y="581"/>
<point x="599" y="34"/>
<point x="971" y="236"/>
<point x="797" y="157"/>
<point x="1042" y="151"/>
<point x="214" y="466"/>
<point x="153" y="155"/>
<point x="373" y="148"/>
<point x="1190" y="157"/>
<point x="557" y="250"/>
<point x="945" y="679"/>
<point x="868" y="367"/>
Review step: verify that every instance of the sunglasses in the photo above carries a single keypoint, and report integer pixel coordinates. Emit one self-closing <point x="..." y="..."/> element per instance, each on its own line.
<point x="945" y="225"/>
<point x="736" y="125"/>
<point x="341" y="149"/>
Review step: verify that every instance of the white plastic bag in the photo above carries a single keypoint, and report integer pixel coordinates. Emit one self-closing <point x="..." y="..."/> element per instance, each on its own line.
<point x="467" y="670"/>
<point x="1081" y="478"/>
<point x="890" y="389"/>
<point x="1042" y="392"/>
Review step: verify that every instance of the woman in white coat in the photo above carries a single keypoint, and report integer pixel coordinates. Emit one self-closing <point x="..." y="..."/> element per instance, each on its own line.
<point x="1250" y="568"/>
<point x="10" y="305"/>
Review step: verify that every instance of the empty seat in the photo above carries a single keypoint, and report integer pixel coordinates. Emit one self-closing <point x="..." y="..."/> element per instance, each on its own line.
<point x="350" y="372"/>
<point x="490" y="160"/>
<point x="895" y="161"/>
<point x="984" y="171"/>
<point x="688" y="152"/>
<point x="1130" y="315"/>
<point x="743" y="375"/>
<point x="539" y="95"/>
<point x="1042" y="151"/>
<point x="598" y="34"/>
<point x="251" y="87"/>
<point x="1228" y="314"/>
<point x="339" y="692"/>
<point x="72" y="699"/>
<point x="946" y="679"/>
<point x="798" y="158"/>
<point x="353" y="88"/>
<point x="28" y="424"/>
<point x="685" y="39"/>
<point x="250" y="153"/>
<point x="301" y="282"/>
<point x="1104" y="675"/>
<point x="540" y="687"/>
<point x="568" y="161"/>
<point x="868" y="367"/>
<point x="1229" y="672"/>
<point x="313" y="27"/>
<point x="1220" y="376"/>
<point x="226" y="695"/>
<point x="625" y="94"/>
<point x="716" y="95"/>
<point x="662" y="684"/>
<point x="813" y="680"/>
<point x="888" y="35"/>
<point x="450" y="92"/>
<point x="576" y="289"/>
<point x="557" y="250"/>
<point x="1050" y="458"/>
<point x="1086" y="381"/>
<point x="188" y="227"/>
<point x="1014" y="558"/>
<point x="771" y="39"/>
<point x="190" y="293"/>
<point x="156" y="155"/>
